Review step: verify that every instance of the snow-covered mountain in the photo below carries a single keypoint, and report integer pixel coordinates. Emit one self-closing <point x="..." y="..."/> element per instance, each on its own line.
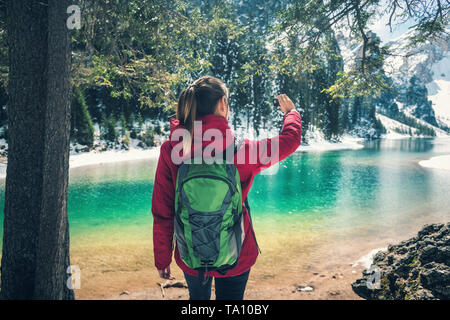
<point x="430" y="62"/>
<point x="439" y="89"/>
<point x="420" y="74"/>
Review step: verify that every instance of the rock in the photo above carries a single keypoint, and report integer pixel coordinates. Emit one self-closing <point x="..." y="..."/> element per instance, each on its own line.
<point x="390" y="259"/>
<point x="436" y="277"/>
<point x="414" y="269"/>
<point x="427" y="254"/>
<point x="429" y="229"/>
<point x="171" y="284"/>
<point x="124" y="293"/>
<point x="361" y="288"/>
<point x="380" y="256"/>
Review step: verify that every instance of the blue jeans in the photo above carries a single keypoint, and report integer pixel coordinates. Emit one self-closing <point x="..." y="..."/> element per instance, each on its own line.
<point x="228" y="288"/>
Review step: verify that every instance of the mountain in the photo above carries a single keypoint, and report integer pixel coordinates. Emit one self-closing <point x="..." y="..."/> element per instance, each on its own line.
<point x="429" y="63"/>
<point x="439" y="89"/>
<point x="416" y="102"/>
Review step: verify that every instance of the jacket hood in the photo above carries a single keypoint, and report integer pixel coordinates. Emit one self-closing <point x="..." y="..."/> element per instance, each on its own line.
<point x="210" y="130"/>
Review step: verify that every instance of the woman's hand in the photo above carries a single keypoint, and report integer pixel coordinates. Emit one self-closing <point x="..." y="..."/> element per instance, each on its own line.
<point x="286" y="104"/>
<point x="165" y="274"/>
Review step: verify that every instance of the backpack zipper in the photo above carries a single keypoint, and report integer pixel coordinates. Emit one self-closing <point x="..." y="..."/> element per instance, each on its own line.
<point x="227" y="181"/>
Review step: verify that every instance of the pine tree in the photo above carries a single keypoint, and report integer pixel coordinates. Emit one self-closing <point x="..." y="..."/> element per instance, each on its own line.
<point x="108" y="129"/>
<point x="417" y="95"/>
<point x="335" y="64"/>
<point x="123" y="125"/>
<point x="82" y="128"/>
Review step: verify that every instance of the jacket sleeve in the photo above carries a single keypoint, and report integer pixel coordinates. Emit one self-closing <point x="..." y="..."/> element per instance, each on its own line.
<point x="262" y="154"/>
<point x="163" y="206"/>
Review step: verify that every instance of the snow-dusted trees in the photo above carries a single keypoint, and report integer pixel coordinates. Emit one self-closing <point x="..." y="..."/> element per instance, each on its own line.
<point x="416" y="97"/>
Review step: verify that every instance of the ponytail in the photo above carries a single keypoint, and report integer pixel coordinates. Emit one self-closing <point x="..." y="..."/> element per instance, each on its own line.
<point x="188" y="114"/>
<point x="190" y="108"/>
<point x="198" y="99"/>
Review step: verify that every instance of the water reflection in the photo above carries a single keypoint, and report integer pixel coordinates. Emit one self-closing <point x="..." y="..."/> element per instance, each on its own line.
<point x="417" y="145"/>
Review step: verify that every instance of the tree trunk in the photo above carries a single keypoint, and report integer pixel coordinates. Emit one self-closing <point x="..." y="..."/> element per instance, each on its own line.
<point x="36" y="231"/>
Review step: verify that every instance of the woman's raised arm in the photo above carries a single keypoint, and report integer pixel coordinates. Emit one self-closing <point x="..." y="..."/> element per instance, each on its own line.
<point x="264" y="153"/>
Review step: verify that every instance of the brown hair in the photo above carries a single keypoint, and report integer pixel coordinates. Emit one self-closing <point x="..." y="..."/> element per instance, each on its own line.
<point x="199" y="99"/>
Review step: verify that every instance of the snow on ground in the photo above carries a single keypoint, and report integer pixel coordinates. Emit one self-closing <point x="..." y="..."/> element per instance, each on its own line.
<point x="440" y="162"/>
<point x="111" y="156"/>
<point x="103" y="157"/>
<point x="407" y="110"/>
<point x="439" y="89"/>
<point x="315" y="141"/>
<point x="392" y="125"/>
<point x="439" y="132"/>
<point x="346" y="143"/>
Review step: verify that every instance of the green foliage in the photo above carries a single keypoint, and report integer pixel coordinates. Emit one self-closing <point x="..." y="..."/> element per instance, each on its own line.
<point x="416" y="95"/>
<point x="138" y="49"/>
<point x="126" y="139"/>
<point x="137" y="127"/>
<point x="133" y="58"/>
<point x="108" y="129"/>
<point x="157" y="128"/>
<point x="82" y="128"/>
<point x="379" y="127"/>
<point x="421" y="129"/>
<point x="148" y="137"/>
<point x="308" y="22"/>
<point x="123" y="125"/>
<point x="352" y="83"/>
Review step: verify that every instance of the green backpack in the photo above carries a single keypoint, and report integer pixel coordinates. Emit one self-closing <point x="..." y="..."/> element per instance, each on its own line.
<point x="209" y="227"/>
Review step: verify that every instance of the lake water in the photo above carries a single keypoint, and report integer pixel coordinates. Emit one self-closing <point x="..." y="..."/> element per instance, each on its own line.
<point x="318" y="209"/>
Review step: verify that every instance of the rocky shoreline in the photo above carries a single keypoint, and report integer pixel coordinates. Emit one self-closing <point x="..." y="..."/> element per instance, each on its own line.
<point x="414" y="269"/>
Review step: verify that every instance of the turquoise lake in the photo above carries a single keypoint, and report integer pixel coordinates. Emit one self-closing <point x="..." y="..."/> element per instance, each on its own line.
<point x="325" y="206"/>
<point x="379" y="184"/>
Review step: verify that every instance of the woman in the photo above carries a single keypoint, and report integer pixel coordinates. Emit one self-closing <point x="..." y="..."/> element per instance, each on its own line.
<point x="206" y="101"/>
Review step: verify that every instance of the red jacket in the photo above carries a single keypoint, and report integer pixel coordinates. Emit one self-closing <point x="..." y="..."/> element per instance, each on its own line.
<point x="163" y="199"/>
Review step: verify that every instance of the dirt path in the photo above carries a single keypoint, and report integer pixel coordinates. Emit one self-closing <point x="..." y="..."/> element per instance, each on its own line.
<point x="334" y="286"/>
